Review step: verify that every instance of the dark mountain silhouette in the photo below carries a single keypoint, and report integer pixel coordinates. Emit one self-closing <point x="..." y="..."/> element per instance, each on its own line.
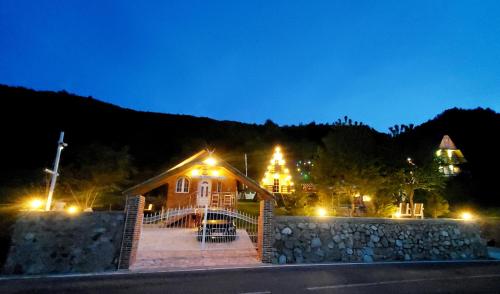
<point x="31" y="122"/>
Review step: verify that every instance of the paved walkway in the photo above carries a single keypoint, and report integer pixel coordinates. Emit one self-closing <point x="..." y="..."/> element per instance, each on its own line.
<point x="178" y="248"/>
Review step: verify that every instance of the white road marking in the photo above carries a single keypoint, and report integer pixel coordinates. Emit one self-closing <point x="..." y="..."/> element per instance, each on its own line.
<point x="261" y="292"/>
<point x="399" y="282"/>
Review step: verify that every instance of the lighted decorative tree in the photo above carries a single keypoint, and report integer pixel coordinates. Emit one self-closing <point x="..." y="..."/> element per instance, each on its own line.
<point x="277" y="178"/>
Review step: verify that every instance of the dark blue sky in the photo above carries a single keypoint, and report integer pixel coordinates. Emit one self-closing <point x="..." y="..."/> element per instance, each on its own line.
<point x="380" y="62"/>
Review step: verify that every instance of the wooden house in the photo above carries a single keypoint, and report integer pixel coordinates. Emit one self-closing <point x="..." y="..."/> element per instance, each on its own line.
<point x="202" y="179"/>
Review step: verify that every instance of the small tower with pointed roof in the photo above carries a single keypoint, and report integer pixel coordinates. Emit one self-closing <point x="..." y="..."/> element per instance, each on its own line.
<point x="450" y="157"/>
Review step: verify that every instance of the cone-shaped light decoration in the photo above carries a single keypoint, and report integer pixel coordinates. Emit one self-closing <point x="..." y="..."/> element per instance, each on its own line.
<point x="277" y="178"/>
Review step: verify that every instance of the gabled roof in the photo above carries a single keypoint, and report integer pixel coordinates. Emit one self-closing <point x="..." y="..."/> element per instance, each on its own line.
<point x="195" y="159"/>
<point x="447" y="143"/>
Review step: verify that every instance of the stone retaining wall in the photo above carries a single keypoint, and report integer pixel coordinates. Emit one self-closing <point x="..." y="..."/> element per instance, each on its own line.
<point x="56" y="242"/>
<point x="330" y="239"/>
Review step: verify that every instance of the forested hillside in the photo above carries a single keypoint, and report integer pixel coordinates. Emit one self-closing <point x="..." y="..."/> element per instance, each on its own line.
<point x="31" y="122"/>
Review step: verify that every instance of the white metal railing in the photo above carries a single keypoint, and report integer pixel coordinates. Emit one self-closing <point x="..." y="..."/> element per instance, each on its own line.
<point x="159" y="216"/>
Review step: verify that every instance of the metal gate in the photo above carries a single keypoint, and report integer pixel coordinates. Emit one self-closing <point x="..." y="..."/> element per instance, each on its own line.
<point x="204" y="228"/>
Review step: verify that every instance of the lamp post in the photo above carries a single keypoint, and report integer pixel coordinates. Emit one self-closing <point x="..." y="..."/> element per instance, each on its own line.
<point x="53" y="172"/>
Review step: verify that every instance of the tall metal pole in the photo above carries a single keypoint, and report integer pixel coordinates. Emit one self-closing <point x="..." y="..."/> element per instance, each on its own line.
<point x="60" y="147"/>
<point x="246" y="165"/>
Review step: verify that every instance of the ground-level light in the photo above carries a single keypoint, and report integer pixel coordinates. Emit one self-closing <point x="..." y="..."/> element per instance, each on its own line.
<point x="72" y="209"/>
<point x="35" y="204"/>
<point x="321" y="211"/>
<point x="397" y="214"/>
<point x="466" y="215"/>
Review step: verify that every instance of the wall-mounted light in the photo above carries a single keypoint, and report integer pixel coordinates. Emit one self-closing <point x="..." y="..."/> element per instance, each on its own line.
<point x="210" y="161"/>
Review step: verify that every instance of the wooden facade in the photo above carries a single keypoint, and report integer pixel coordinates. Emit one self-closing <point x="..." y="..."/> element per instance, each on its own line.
<point x="202" y="179"/>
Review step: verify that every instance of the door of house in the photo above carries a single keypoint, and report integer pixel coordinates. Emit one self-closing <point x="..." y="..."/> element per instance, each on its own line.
<point x="204" y="191"/>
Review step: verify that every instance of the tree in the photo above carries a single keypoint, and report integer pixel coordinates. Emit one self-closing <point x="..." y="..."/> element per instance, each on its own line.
<point x="96" y="170"/>
<point x="436" y="205"/>
<point x="382" y="205"/>
<point x="348" y="164"/>
<point x="426" y="178"/>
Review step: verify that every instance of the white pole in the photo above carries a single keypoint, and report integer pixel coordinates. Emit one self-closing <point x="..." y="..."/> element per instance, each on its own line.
<point x="60" y="147"/>
<point x="246" y="165"/>
<point x="204" y="235"/>
<point x="246" y="169"/>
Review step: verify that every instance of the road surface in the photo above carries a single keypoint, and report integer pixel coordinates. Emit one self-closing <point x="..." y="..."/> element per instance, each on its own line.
<point x="466" y="277"/>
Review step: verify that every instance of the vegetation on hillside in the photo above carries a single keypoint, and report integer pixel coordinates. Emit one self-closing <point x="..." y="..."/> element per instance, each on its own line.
<point x="111" y="147"/>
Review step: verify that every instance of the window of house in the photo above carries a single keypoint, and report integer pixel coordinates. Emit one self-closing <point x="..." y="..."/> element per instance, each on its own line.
<point x="182" y="185"/>
<point x="276" y="186"/>
<point x="219" y="186"/>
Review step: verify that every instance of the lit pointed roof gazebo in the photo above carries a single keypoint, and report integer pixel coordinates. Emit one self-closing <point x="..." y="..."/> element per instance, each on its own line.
<point x="450" y="156"/>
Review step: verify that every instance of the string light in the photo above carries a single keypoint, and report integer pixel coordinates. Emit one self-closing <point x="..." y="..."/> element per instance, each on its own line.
<point x="277" y="178"/>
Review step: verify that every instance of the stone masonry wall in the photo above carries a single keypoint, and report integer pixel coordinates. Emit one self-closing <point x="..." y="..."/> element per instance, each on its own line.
<point x="57" y="242"/>
<point x="329" y="239"/>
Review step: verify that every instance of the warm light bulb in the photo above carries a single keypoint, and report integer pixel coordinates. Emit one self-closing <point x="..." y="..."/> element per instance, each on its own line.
<point x="215" y="173"/>
<point x="466" y="215"/>
<point x="195" y="172"/>
<point x="35" y="204"/>
<point x="72" y="209"/>
<point x="321" y="212"/>
<point x="210" y="161"/>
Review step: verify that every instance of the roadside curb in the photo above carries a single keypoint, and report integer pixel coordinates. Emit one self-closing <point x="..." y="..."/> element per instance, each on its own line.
<point x="264" y="266"/>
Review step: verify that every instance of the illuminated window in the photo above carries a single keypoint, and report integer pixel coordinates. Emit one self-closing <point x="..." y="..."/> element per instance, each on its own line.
<point x="276" y="186"/>
<point x="182" y="185"/>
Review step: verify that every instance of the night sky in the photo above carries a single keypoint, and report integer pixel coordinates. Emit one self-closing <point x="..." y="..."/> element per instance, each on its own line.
<point x="380" y="62"/>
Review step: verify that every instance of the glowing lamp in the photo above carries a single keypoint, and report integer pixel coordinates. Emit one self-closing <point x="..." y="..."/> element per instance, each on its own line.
<point x="195" y="172"/>
<point x="321" y="212"/>
<point x="367" y="198"/>
<point x="215" y="173"/>
<point x="35" y="204"/>
<point x="397" y="214"/>
<point x="210" y="161"/>
<point x="72" y="209"/>
<point x="466" y="215"/>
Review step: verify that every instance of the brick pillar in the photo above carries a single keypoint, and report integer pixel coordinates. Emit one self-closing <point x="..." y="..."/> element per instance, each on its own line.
<point x="265" y="228"/>
<point x="132" y="231"/>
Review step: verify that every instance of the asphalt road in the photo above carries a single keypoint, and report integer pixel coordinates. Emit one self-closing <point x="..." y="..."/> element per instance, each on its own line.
<point x="467" y="277"/>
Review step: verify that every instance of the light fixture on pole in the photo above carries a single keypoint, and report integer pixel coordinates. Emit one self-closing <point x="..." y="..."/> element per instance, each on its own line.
<point x="53" y="172"/>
